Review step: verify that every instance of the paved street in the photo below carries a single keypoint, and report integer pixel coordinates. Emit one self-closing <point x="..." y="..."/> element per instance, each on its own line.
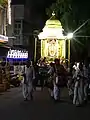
<point x="12" y="107"/>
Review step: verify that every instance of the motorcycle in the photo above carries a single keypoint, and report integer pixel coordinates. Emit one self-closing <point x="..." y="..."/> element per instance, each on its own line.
<point x="15" y="81"/>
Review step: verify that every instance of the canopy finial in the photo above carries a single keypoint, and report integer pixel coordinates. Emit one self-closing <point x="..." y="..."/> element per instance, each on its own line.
<point x="53" y="14"/>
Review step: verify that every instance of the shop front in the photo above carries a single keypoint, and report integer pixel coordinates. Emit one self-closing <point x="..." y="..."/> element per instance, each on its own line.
<point x="17" y="55"/>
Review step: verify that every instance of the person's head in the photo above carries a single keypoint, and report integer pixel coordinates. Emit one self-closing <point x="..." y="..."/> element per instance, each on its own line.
<point x="44" y="58"/>
<point x="28" y="64"/>
<point x="31" y="63"/>
<point x="51" y="64"/>
<point x="89" y="65"/>
<point x="57" y="61"/>
<point x="75" y="63"/>
<point x="86" y="64"/>
<point x="81" y="66"/>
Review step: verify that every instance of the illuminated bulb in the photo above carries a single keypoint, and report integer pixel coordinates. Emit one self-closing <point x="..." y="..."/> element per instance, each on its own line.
<point x="70" y="36"/>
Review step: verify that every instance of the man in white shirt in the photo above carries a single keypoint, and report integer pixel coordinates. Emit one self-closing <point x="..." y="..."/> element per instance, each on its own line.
<point x="28" y="82"/>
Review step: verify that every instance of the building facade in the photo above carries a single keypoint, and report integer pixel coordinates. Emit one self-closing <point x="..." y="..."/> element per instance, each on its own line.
<point x="21" y="23"/>
<point x="22" y="29"/>
<point x="17" y="24"/>
<point x="5" y="17"/>
<point x="5" y="21"/>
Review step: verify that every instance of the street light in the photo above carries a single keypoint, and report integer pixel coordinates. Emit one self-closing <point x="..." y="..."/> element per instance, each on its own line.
<point x="67" y="45"/>
<point x="69" y="36"/>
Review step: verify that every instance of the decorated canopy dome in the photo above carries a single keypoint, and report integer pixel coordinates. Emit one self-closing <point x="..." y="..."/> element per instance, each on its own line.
<point x="52" y="29"/>
<point x="53" y="21"/>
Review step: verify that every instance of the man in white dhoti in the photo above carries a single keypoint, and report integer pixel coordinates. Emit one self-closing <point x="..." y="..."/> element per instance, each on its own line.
<point x="85" y="69"/>
<point x="79" y="86"/>
<point x="28" y="82"/>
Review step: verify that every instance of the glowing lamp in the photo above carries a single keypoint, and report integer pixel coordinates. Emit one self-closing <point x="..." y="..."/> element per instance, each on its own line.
<point x="70" y="36"/>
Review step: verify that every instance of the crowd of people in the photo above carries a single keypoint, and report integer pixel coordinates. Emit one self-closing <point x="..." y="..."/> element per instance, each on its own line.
<point x="75" y="78"/>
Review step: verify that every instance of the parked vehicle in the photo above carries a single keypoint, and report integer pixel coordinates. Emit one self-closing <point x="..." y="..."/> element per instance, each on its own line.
<point x="14" y="78"/>
<point x="15" y="81"/>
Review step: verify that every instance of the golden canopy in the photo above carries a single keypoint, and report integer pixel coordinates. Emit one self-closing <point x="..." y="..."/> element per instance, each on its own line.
<point x="52" y="29"/>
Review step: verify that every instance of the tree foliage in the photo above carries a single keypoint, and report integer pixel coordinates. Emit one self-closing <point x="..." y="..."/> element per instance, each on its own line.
<point x="69" y="12"/>
<point x="72" y="14"/>
<point x="63" y="10"/>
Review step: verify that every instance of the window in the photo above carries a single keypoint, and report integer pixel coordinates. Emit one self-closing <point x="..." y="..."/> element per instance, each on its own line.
<point x="17" y="27"/>
<point x="17" y="32"/>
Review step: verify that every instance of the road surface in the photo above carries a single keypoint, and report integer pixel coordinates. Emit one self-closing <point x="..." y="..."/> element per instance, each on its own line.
<point x="13" y="107"/>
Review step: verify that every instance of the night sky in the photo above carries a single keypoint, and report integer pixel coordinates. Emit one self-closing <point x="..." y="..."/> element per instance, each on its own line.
<point x="37" y="9"/>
